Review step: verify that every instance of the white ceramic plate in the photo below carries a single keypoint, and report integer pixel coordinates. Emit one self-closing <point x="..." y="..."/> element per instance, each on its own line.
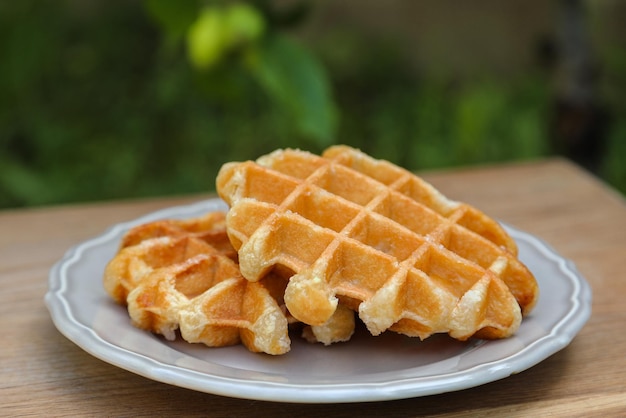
<point x="365" y="369"/>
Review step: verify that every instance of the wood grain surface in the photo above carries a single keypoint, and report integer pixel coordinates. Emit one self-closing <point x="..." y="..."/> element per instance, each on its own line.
<point x="44" y="374"/>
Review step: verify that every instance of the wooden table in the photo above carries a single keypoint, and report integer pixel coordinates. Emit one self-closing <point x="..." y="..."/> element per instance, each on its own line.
<point x="43" y="373"/>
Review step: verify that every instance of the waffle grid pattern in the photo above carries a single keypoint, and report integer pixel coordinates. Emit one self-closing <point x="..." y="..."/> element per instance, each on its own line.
<point x="377" y="238"/>
<point x="182" y="275"/>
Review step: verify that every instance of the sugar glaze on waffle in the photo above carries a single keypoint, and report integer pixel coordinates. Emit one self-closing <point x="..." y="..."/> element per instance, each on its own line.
<point x="349" y="230"/>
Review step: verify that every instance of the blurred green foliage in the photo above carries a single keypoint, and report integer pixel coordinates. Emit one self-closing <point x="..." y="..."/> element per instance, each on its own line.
<point x="613" y="168"/>
<point x="102" y="100"/>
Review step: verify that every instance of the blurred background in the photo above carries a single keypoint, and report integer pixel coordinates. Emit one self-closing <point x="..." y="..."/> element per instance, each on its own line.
<point x="126" y="99"/>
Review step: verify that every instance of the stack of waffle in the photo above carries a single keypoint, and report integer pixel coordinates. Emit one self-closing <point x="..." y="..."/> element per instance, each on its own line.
<point x="327" y="237"/>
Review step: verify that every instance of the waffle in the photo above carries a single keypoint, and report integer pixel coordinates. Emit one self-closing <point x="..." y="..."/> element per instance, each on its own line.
<point x="180" y="275"/>
<point x="365" y="234"/>
<point x="211" y="227"/>
<point x="138" y="255"/>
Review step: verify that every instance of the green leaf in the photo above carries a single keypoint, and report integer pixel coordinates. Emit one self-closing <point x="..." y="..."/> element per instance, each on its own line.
<point x="296" y="81"/>
<point x="245" y="24"/>
<point x="206" y="38"/>
<point x="173" y="16"/>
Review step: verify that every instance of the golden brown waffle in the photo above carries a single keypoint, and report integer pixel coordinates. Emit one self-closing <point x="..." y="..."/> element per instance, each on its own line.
<point x="172" y="277"/>
<point x="211" y="227"/>
<point x="123" y="271"/>
<point x="376" y="238"/>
